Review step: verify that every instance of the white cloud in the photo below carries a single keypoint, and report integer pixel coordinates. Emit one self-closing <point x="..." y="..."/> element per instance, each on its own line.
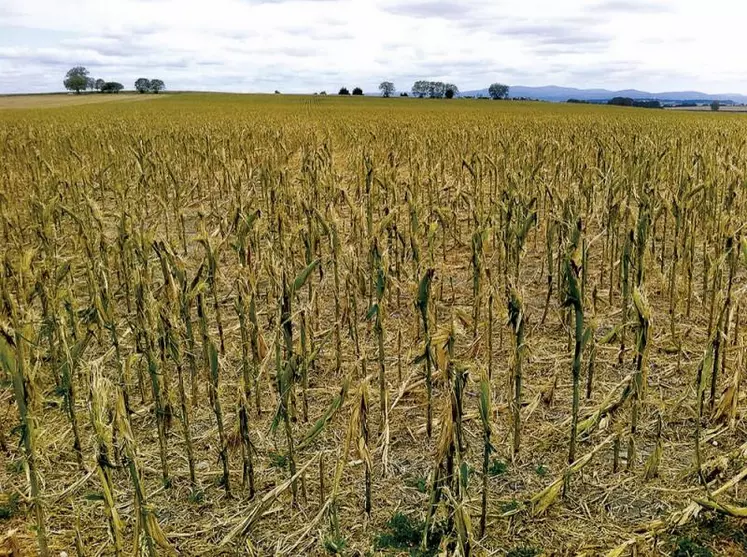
<point x="307" y="45"/>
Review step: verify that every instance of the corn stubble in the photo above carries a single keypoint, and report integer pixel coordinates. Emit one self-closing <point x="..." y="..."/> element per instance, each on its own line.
<point x="234" y="269"/>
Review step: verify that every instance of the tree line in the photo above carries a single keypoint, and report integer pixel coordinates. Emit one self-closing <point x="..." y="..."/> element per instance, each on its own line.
<point x="434" y="89"/>
<point x="345" y="91"/>
<point x="627" y="101"/>
<point x="439" y="90"/>
<point x="426" y="89"/>
<point x="78" y="79"/>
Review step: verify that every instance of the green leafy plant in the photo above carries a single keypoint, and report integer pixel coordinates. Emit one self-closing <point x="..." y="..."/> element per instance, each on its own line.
<point x="278" y="460"/>
<point x="405" y="534"/>
<point x="497" y="467"/>
<point x="421" y="484"/>
<point x="8" y="505"/>
<point x="509" y="506"/>
<point x="686" y="547"/>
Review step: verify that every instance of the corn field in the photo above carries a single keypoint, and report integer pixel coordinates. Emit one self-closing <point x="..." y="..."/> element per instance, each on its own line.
<point x="305" y="325"/>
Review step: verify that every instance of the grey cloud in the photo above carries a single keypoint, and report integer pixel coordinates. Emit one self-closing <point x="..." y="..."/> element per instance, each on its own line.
<point x="136" y="42"/>
<point x="635" y="6"/>
<point x="35" y="57"/>
<point x="318" y="32"/>
<point x="111" y="48"/>
<point x="559" y="36"/>
<point x="7" y="13"/>
<point x="293" y="51"/>
<point x="554" y="34"/>
<point x="107" y="59"/>
<point x="623" y="73"/>
<point x="430" y="8"/>
<point x="560" y="49"/>
<point x="144" y="29"/>
<point x="258" y="2"/>
<point x="240" y="35"/>
<point x="331" y="35"/>
<point x="260" y="51"/>
<point x="317" y="44"/>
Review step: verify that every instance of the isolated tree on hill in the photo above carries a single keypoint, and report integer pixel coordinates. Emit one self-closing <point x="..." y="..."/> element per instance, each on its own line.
<point x="76" y="79"/>
<point x="387" y="88"/>
<point x="498" y="91"/>
<point x="156" y="85"/>
<point x="142" y="85"/>
<point x="344" y="91"/>
<point x="98" y="84"/>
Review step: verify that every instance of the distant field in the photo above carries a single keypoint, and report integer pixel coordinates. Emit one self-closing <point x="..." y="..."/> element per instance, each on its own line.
<point x="317" y="325"/>
<point x="64" y="99"/>
<point x="708" y="108"/>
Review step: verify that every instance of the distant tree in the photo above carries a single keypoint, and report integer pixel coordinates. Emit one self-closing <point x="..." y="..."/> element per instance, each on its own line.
<point x="449" y="93"/>
<point x="76" y="79"/>
<point x="343" y="91"/>
<point x="638" y="103"/>
<point x="99" y="84"/>
<point x="322" y="92"/>
<point x="436" y="89"/>
<point x="621" y="101"/>
<point x="715" y="106"/>
<point x="647" y="104"/>
<point x="404" y="94"/>
<point x="420" y="89"/>
<point x="357" y="91"/>
<point x="142" y="85"/>
<point x="156" y="86"/>
<point x="498" y="91"/>
<point x="433" y="89"/>
<point x="112" y="87"/>
<point x="277" y="92"/>
<point x="387" y="88"/>
<point x="90" y="83"/>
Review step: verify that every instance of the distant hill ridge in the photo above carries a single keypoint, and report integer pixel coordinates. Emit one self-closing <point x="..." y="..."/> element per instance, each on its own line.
<point x="562" y="94"/>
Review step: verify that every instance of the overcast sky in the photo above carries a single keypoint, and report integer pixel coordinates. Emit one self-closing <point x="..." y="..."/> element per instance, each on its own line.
<point x="310" y="45"/>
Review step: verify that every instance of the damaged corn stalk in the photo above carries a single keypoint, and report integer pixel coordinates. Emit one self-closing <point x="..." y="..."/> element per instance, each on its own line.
<point x="424" y="294"/>
<point x="640" y="378"/>
<point x="574" y="299"/>
<point x="517" y="321"/>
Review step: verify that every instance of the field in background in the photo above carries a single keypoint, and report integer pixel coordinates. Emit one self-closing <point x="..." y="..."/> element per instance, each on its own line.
<point x="67" y="99"/>
<point x="708" y="108"/>
<point x="316" y="325"/>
